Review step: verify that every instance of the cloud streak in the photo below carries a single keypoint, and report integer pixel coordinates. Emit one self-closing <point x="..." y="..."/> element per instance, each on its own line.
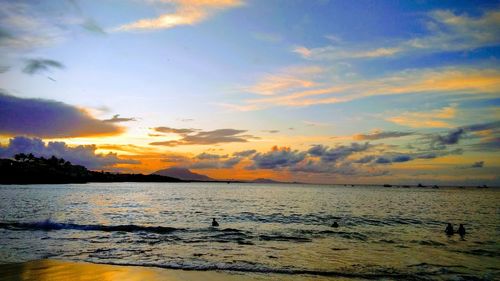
<point x="190" y="137"/>
<point x="186" y="12"/>
<point x="447" y="32"/>
<point x="446" y="80"/>
<point x="39" y="65"/>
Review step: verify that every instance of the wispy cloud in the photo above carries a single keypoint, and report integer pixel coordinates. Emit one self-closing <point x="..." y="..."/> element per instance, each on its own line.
<point x="117" y="119"/>
<point x="38" y="65"/>
<point x="447" y="31"/>
<point x="438" y="118"/>
<point x="379" y="134"/>
<point x="186" y="12"/>
<point x="190" y="137"/>
<point x="463" y="80"/>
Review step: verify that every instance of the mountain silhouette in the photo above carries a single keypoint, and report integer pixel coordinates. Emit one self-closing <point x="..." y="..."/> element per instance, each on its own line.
<point x="183" y="174"/>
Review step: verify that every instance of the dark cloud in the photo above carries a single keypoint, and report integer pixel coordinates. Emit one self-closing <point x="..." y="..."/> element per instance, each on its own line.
<point x="33" y="66"/>
<point x="117" y="119"/>
<point x="208" y="156"/>
<point x="483" y="126"/>
<point x="382" y="135"/>
<point x="206" y="137"/>
<point x="451" y="137"/>
<point x="82" y="155"/>
<point x="245" y="153"/>
<point x="215" y="163"/>
<point x="365" y="159"/>
<point x="402" y="158"/>
<point x="47" y="118"/>
<point x="439" y="142"/>
<point x="382" y="160"/>
<point x="277" y="158"/>
<point x="478" y="164"/>
<point x="334" y="154"/>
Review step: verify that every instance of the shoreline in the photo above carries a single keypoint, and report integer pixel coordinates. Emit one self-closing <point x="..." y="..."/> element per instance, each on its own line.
<point x="52" y="269"/>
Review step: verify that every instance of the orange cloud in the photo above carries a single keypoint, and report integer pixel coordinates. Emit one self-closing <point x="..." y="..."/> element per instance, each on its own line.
<point x="438" y="118"/>
<point x="187" y="12"/>
<point x="443" y="80"/>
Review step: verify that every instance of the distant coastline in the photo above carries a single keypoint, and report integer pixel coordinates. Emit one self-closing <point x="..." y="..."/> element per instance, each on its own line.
<point x="28" y="169"/>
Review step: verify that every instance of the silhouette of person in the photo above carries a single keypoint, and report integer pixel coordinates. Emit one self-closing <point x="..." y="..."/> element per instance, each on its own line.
<point x="461" y="230"/>
<point x="214" y="222"/>
<point x="449" y="229"/>
<point x="335" y="224"/>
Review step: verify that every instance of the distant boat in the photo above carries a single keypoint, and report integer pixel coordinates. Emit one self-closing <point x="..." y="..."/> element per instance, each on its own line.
<point x="420" y="185"/>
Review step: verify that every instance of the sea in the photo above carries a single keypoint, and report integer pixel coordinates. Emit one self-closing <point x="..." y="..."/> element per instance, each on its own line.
<point x="274" y="231"/>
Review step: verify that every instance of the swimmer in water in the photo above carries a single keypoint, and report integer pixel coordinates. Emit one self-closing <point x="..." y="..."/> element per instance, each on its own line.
<point x="449" y="229"/>
<point x="335" y="224"/>
<point x="461" y="230"/>
<point x="214" y="222"/>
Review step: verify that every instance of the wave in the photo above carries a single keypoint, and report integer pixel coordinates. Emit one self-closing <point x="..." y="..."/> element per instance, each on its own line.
<point x="257" y="268"/>
<point x="50" y="225"/>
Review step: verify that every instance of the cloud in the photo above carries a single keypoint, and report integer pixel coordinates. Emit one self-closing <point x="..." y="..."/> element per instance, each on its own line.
<point x="33" y="66"/>
<point x="245" y="153"/>
<point x="91" y="25"/>
<point x="334" y="154"/>
<point x="186" y="12"/>
<point x="277" y="158"/>
<point x="117" y="119"/>
<point x="28" y="25"/>
<point x="271" y="131"/>
<point x="48" y="118"/>
<point x="330" y="90"/>
<point x="438" y="118"/>
<point x="208" y="137"/>
<point x="382" y="160"/>
<point x="169" y="130"/>
<point x="452" y="137"/>
<point x="208" y="156"/>
<point x="287" y="79"/>
<point x="478" y="164"/>
<point x="82" y="154"/>
<point x="378" y="134"/>
<point x="216" y="163"/>
<point x="447" y="32"/>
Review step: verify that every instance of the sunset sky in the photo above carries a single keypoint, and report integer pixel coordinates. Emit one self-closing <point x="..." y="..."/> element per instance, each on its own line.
<point x="320" y="91"/>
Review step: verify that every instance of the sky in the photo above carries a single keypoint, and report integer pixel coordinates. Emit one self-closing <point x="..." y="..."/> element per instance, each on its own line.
<point x="322" y="91"/>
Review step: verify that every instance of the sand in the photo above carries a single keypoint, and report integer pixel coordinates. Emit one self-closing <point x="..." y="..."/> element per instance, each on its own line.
<point x="58" y="270"/>
<point x="55" y="270"/>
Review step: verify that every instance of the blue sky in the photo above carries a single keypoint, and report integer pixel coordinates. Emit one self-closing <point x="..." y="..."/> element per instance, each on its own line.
<point x="260" y="74"/>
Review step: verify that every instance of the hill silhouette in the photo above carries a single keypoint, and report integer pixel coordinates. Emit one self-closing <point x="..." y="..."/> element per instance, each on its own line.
<point x="183" y="174"/>
<point x="28" y="169"/>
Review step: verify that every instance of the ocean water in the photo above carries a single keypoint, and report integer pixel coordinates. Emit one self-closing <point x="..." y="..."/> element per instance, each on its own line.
<point x="277" y="231"/>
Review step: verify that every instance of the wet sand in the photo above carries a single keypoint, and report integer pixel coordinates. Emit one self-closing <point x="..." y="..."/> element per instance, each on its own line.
<point x="55" y="270"/>
<point x="64" y="270"/>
